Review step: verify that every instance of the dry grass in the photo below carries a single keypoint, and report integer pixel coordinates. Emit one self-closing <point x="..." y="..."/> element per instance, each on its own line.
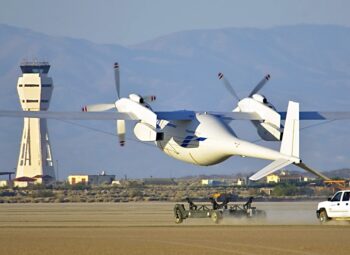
<point x="148" y="228"/>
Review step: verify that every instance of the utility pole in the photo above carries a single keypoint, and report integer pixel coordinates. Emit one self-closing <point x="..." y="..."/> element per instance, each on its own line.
<point x="57" y="170"/>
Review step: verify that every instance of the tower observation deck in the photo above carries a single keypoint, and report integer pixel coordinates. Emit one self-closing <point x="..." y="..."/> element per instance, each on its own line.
<point x="35" y="67"/>
<point x="34" y="89"/>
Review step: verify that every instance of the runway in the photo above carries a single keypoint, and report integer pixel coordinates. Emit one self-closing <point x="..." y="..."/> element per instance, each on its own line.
<point x="149" y="228"/>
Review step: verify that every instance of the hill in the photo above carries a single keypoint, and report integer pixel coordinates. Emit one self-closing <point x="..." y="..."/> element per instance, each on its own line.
<point x="339" y="173"/>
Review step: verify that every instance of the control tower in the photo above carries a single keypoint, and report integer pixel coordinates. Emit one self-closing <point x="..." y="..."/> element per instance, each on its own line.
<point x="34" y="89"/>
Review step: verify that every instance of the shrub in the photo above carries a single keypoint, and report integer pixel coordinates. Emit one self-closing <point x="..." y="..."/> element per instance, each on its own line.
<point x="7" y="193"/>
<point x="43" y="193"/>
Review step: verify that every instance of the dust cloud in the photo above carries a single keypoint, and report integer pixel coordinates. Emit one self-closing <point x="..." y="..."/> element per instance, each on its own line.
<point x="283" y="213"/>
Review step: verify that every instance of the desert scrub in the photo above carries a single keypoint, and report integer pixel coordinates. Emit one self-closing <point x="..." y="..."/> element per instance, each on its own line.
<point x="135" y="193"/>
<point x="42" y="193"/>
<point x="7" y="193"/>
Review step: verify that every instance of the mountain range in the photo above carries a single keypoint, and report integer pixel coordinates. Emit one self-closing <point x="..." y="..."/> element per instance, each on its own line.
<point x="308" y="63"/>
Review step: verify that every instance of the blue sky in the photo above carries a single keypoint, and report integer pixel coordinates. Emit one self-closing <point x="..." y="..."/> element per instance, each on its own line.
<point x="132" y="21"/>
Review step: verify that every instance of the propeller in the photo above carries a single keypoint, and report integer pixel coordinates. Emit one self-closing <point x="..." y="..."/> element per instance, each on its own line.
<point x="117" y="79"/>
<point x="260" y="85"/>
<point x="230" y="89"/>
<point x="228" y="86"/>
<point x="106" y="107"/>
<point x="121" y="130"/>
<point x="120" y="123"/>
<point x="149" y="99"/>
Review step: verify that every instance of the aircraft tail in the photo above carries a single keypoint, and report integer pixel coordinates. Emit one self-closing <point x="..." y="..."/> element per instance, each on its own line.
<point x="290" y="139"/>
<point x="289" y="146"/>
<point x="269" y="169"/>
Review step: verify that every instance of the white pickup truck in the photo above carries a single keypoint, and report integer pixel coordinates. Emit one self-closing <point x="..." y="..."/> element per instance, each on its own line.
<point x="337" y="207"/>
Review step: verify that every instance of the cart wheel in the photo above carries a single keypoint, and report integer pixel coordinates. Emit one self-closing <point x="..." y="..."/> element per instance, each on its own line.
<point x="216" y="216"/>
<point x="324" y="217"/>
<point x="178" y="218"/>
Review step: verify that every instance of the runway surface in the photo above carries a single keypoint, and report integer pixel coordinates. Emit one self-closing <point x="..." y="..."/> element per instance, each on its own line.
<point x="149" y="228"/>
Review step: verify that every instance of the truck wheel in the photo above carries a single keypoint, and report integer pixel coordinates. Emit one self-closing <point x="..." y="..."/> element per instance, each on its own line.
<point x="216" y="216"/>
<point x="323" y="216"/>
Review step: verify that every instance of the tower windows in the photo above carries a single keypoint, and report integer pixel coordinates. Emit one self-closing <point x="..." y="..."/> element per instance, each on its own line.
<point x="31" y="85"/>
<point x="35" y="85"/>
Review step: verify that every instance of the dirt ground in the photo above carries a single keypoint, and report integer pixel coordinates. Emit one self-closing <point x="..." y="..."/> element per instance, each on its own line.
<point x="149" y="228"/>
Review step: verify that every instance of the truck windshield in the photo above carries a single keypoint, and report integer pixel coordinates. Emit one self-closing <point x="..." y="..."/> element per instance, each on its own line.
<point x="336" y="197"/>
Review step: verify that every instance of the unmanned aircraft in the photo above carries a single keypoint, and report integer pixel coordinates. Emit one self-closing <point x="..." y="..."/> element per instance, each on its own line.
<point x="200" y="137"/>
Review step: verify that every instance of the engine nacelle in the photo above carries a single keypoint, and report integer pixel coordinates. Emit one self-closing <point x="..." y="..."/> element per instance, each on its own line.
<point x="140" y="111"/>
<point x="270" y="128"/>
<point x="146" y="133"/>
<point x="260" y="98"/>
<point x="268" y="131"/>
<point x="136" y="98"/>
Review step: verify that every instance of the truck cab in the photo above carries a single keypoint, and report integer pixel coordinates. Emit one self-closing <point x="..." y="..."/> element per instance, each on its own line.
<point x="337" y="207"/>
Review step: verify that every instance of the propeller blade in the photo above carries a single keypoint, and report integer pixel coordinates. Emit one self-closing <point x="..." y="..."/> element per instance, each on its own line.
<point x="117" y="78"/>
<point x="97" y="107"/>
<point x="228" y="86"/>
<point x="260" y="85"/>
<point x="121" y="131"/>
<point x="149" y="99"/>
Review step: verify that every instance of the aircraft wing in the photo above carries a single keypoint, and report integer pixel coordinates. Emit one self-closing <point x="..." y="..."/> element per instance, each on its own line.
<point x="190" y="115"/>
<point x="320" y="115"/>
<point x="166" y="115"/>
<point x="237" y="115"/>
<point x="176" y="115"/>
<point x="69" y="115"/>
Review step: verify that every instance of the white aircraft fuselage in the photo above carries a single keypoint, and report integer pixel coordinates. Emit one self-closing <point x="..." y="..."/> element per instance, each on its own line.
<point x="204" y="139"/>
<point x="207" y="140"/>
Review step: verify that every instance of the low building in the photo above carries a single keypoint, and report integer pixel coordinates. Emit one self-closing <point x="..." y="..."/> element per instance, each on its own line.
<point x="4" y="183"/>
<point x="116" y="182"/>
<point x="211" y="182"/>
<point x="240" y="182"/>
<point x="46" y="179"/>
<point x="294" y="178"/>
<point x="23" y="182"/>
<point x="273" y="178"/>
<point x="285" y="176"/>
<point x="266" y="191"/>
<point x="91" y="179"/>
<point x="159" y="181"/>
<point x="78" y="178"/>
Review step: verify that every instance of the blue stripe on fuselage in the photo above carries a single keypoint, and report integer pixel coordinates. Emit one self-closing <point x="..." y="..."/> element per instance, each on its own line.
<point x="187" y="141"/>
<point x="189" y="138"/>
